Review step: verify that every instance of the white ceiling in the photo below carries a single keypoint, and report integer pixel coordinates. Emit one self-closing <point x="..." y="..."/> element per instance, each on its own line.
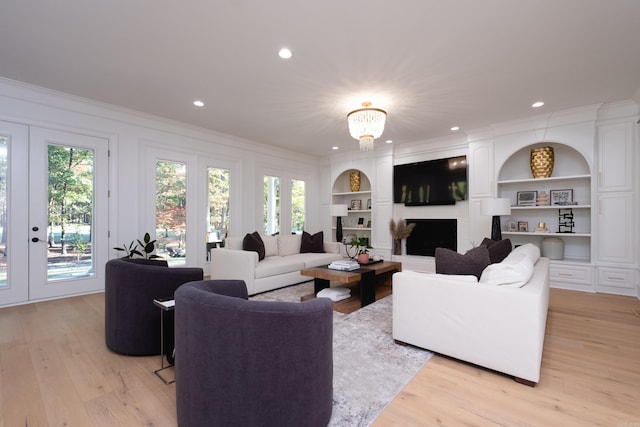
<point x="430" y="64"/>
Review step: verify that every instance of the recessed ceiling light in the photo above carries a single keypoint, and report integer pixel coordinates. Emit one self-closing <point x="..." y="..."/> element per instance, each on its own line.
<point x="334" y="148"/>
<point x="198" y="103"/>
<point x="285" y="53"/>
<point x="389" y="141"/>
<point x="455" y="128"/>
<point x="537" y="104"/>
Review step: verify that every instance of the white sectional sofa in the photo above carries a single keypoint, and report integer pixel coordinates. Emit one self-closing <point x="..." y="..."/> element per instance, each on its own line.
<point x="280" y="267"/>
<point x="500" y="326"/>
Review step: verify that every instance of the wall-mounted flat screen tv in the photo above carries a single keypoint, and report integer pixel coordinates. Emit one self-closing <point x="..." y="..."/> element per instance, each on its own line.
<point x="432" y="182"/>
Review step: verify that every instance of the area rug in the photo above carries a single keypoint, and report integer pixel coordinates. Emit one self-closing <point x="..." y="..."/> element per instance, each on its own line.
<point x="369" y="369"/>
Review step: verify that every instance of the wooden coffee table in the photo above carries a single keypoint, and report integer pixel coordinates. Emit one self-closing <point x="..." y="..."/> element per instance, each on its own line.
<point x="366" y="275"/>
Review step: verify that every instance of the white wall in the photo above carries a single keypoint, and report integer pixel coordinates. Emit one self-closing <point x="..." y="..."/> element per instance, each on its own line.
<point x="134" y="136"/>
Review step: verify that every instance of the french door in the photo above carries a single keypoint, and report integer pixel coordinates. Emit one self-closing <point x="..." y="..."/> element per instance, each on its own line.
<point x="53" y="213"/>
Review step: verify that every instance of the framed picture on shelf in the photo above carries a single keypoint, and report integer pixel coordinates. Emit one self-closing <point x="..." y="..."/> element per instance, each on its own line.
<point x="561" y="197"/>
<point x="523" y="226"/>
<point x="356" y="205"/>
<point x="527" y="198"/>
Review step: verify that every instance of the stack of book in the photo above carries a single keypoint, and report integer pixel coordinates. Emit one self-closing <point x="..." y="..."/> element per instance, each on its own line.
<point x="345" y="265"/>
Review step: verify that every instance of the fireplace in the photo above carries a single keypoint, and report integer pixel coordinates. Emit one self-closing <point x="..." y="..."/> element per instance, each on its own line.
<point x="430" y="234"/>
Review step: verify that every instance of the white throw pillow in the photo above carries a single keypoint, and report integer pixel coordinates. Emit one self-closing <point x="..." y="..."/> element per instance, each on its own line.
<point x="289" y="245"/>
<point x="514" y="271"/>
<point x="270" y="245"/>
<point x="530" y="250"/>
<point x="233" y="243"/>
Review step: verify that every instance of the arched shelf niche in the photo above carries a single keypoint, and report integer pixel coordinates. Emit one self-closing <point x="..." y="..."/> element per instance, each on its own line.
<point x="567" y="214"/>
<point x="357" y="222"/>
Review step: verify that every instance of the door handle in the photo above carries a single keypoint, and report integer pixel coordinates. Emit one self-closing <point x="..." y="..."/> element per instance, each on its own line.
<point x="36" y="240"/>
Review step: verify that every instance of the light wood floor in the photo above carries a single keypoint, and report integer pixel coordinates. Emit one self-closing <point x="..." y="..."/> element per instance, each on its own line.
<point x="56" y="371"/>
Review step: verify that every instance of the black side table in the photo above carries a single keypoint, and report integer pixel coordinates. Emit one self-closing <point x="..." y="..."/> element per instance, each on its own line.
<point x="165" y="306"/>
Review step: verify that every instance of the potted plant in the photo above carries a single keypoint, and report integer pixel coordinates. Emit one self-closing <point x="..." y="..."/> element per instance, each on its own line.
<point x="362" y="249"/>
<point x="143" y="248"/>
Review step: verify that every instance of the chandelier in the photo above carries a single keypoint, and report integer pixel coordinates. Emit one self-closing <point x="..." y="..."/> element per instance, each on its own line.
<point x="366" y="124"/>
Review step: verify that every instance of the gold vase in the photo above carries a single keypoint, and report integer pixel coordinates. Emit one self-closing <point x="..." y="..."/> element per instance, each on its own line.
<point x="354" y="181"/>
<point x="541" y="161"/>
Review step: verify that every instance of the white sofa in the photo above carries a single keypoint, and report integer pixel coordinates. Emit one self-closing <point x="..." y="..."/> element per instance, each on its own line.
<point x="497" y="327"/>
<point x="280" y="267"/>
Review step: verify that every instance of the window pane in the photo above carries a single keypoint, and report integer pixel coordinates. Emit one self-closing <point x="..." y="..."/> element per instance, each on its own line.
<point x="71" y="188"/>
<point x="271" y="204"/>
<point x="297" y="206"/>
<point x="218" y="212"/>
<point x="3" y="210"/>
<point x="171" y="210"/>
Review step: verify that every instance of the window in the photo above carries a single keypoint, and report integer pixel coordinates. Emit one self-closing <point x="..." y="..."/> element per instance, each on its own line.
<point x="297" y="206"/>
<point x="171" y="210"/>
<point x="218" y="206"/>
<point x="271" y="205"/>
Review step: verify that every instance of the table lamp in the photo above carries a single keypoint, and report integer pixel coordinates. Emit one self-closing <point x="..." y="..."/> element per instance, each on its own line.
<point x="339" y="211"/>
<point x="495" y="208"/>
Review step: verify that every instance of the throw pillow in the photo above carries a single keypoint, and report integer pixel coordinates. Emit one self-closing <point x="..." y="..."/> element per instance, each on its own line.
<point x="314" y="244"/>
<point x="270" y="245"/>
<point x="253" y="242"/>
<point x="289" y="244"/>
<point x="474" y="261"/>
<point x="497" y="250"/>
<point x="515" y="271"/>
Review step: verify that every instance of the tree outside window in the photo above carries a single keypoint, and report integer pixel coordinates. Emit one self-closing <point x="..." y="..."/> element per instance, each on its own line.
<point x="171" y="210"/>
<point x="218" y="196"/>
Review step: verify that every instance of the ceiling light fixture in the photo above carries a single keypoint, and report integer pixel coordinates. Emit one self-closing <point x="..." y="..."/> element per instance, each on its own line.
<point x="285" y="53"/>
<point x="455" y="128"/>
<point x="366" y="124"/>
<point x="537" y="104"/>
<point x="198" y="103"/>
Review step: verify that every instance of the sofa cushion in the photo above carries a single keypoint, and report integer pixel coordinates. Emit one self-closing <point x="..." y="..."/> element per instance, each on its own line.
<point x="474" y="261"/>
<point x="497" y="250"/>
<point x="289" y="244"/>
<point x="515" y="271"/>
<point x="275" y="265"/>
<point x="270" y="245"/>
<point x="311" y="259"/>
<point x="314" y="244"/>
<point x="253" y="242"/>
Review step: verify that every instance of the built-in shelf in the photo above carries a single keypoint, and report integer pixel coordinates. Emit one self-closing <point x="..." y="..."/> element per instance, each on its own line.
<point x="571" y="172"/>
<point x="543" y="180"/>
<point x="341" y="196"/>
<point x="542" y="234"/>
<point x="554" y="207"/>
<point x="352" y="193"/>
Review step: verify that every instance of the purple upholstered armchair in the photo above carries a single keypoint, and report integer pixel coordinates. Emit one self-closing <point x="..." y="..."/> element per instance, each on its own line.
<point x="251" y="363"/>
<point x="132" y="321"/>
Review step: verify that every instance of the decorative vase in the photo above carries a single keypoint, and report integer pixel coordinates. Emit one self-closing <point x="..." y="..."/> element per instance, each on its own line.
<point x="397" y="246"/>
<point x="363" y="258"/>
<point x="541" y="161"/>
<point x="354" y="181"/>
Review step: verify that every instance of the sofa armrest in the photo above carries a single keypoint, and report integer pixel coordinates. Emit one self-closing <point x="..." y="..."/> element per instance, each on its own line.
<point x="233" y="264"/>
<point x="333" y="247"/>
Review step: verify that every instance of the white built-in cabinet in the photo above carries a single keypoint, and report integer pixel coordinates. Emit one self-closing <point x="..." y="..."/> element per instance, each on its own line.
<point x="358" y="221"/>
<point x="617" y="236"/>
<point x="571" y="172"/>
<point x="480" y="168"/>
